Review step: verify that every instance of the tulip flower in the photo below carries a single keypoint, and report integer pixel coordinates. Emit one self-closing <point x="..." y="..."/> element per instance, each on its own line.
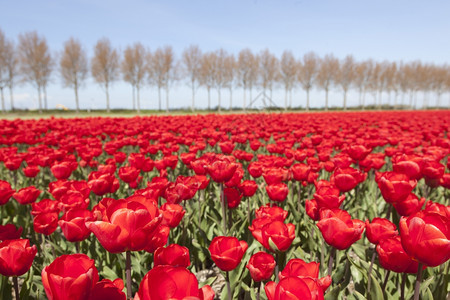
<point x="395" y="187"/>
<point x="168" y="282"/>
<point x="73" y="225"/>
<point x="70" y="277"/>
<point x="277" y="192"/>
<point x="393" y="257"/>
<point x="227" y="252"/>
<point x="173" y="255"/>
<point x="379" y="229"/>
<point x="261" y="266"/>
<point x="5" y="192"/>
<point x="10" y="232"/>
<point x="108" y="290"/>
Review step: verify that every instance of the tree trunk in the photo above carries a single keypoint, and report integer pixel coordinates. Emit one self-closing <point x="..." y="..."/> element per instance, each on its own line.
<point x="326" y="99"/>
<point x="345" y="99"/>
<point x="231" y="98"/>
<point x="251" y="99"/>
<point x="138" y="99"/>
<point x="286" y="99"/>
<point x="45" y="97"/>
<point x="290" y="98"/>
<point x="363" y="103"/>
<point x="209" y="97"/>
<point x="218" y="94"/>
<point x="438" y="99"/>
<point x="11" y="97"/>
<point x="410" y="99"/>
<point x="107" y="98"/>
<point x="3" y="100"/>
<point x="159" y="98"/>
<point x="40" y="99"/>
<point x="244" y="106"/>
<point x="76" y="98"/>
<point x="133" y="93"/>
<point x="193" y="96"/>
<point x="307" y="99"/>
<point x="167" y="99"/>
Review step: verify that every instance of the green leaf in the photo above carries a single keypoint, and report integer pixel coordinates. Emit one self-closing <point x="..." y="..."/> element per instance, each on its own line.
<point x="376" y="293"/>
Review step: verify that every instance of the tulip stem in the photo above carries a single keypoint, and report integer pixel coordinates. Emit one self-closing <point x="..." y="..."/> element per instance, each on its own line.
<point x="418" y="281"/>
<point x="331" y="260"/>
<point x="369" y="275"/>
<point x="402" y="288"/>
<point x="16" y="287"/>
<point x="128" y="274"/>
<point x="224" y="210"/>
<point x="228" y="285"/>
<point x="386" y="279"/>
<point x="258" y="290"/>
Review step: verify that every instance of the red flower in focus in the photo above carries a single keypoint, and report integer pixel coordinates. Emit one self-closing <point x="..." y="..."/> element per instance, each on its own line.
<point x="222" y="170"/>
<point x="5" y="192"/>
<point x="346" y="179"/>
<point x="172" y="214"/>
<point x="128" y="224"/>
<point x="394" y="186"/>
<point x="172" y="255"/>
<point x="312" y="209"/>
<point x="300" y="172"/>
<point x="27" y="195"/>
<point x="248" y="188"/>
<point x="108" y="290"/>
<point x="338" y="229"/>
<point x="227" y="252"/>
<point x="261" y="266"/>
<point x="159" y="238"/>
<point x="45" y="223"/>
<point x="288" y="288"/>
<point x="327" y="195"/>
<point x="129" y="174"/>
<point x="63" y="170"/>
<point x="16" y="257"/>
<point x="69" y="277"/>
<point x="432" y="171"/>
<point x="393" y="257"/>
<point x="410" y="205"/>
<point x="426" y="237"/>
<point x="277" y="192"/>
<point x="271" y="211"/>
<point x="379" y="229"/>
<point x="167" y="282"/>
<point x="273" y="235"/>
<point x="73" y="225"/>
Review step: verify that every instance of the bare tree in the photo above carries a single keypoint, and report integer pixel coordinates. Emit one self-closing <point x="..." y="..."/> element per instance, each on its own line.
<point x="36" y="63"/>
<point x="439" y="77"/>
<point x="288" y="74"/>
<point x="134" y="69"/>
<point x="268" y="73"/>
<point x="162" y="69"/>
<point x="11" y="61"/>
<point x="105" y="66"/>
<point x="73" y="66"/>
<point x="247" y="72"/>
<point x="346" y="76"/>
<point x="230" y="67"/>
<point x="326" y="74"/>
<point x="307" y="73"/>
<point x="3" y="68"/>
<point x="362" y="75"/>
<point x="192" y="58"/>
<point x="207" y="73"/>
<point x="219" y="74"/>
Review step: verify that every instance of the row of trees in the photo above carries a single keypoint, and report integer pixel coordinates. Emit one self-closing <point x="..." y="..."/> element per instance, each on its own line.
<point x="31" y="61"/>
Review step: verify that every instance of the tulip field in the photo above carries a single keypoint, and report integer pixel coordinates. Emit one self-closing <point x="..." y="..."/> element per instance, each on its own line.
<point x="341" y="205"/>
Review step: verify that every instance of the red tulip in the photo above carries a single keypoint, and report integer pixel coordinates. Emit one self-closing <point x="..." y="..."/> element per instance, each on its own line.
<point x="172" y="214"/>
<point x="426" y="237"/>
<point x="222" y="170"/>
<point x="395" y="187"/>
<point x="312" y="209"/>
<point x="261" y="266"/>
<point x="393" y="257"/>
<point x="292" y="288"/>
<point x="233" y="197"/>
<point x="16" y="257"/>
<point x="45" y="223"/>
<point x="129" y="174"/>
<point x="300" y="172"/>
<point x="69" y="277"/>
<point x="10" y="232"/>
<point x="338" y="229"/>
<point x="277" y="192"/>
<point x="248" y="188"/>
<point x="159" y="238"/>
<point x="327" y="195"/>
<point x="347" y="179"/>
<point x="358" y="152"/>
<point x="63" y="170"/>
<point x="31" y="171"/>
<point x="167" y="282"/>
<point x="227" y="252"/>
<point x="379" y="229"/>
<point x="5" y="192"/>
<point x="271" y="211"/>
<point x="73" y="225"/>
<point x="173" y="255"/>
<point x="410" y="205"/>
<point x="128" y="224"/>
<point x="273" y="235"/>
<point x="108" y="290"/>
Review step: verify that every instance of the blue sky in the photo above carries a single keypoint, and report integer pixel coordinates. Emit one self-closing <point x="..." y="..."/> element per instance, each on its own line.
<point x="385" y="29"/>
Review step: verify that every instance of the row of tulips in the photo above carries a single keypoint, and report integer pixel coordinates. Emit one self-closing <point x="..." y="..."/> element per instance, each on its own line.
<point x="157" y="201"/>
